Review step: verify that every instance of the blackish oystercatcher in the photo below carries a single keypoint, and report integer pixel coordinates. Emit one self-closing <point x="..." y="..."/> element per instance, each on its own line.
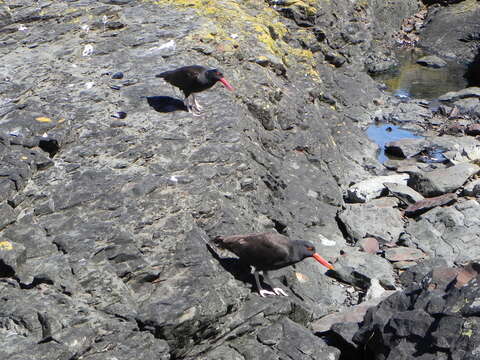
<point x="193" y="79"/>
<point x="268" y="251"/>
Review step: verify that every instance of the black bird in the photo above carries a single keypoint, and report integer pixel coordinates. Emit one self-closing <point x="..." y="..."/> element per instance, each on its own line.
<point x="268" y="251"/>
<point x="193" y="79"/>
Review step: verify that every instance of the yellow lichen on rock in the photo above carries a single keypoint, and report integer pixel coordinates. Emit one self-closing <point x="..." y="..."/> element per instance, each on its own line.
<point x="249" y="21"/>
<point x="6" y="245"/>
<point x="43" y="119"/>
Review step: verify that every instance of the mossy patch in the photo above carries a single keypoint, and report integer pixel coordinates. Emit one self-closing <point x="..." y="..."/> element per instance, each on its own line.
<point x="235" y="24"/>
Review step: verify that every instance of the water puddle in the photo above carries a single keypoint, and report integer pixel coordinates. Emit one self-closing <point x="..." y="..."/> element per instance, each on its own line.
<point x="384" y="133"/>
<point x="411" y="80"/>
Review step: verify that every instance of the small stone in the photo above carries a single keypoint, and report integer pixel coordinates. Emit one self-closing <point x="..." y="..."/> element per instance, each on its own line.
<point x="369" y="245"/>
<point x="247" y="184"/>
<point x="120" y="115"/>
<point x="404" y="254"/>
<point x="372" y="188"/>
<point x="118" y="75"/>
<point x="405" y="148"/>
<point x="115" y="87"/>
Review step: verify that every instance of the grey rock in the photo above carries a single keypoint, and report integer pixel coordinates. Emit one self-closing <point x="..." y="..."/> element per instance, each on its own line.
<point x="404" y="193"/>
<point x="7" y="215"/>
<point x="472" y="188"/>
<point x="441" y="181"/>
<point x="372" y="188"/>
<point x="405" y="148"/>
<point x="432" y="61"/>
<point x="461" y="94"/>
<point x="359" y="268"/>
<point x="369" y="220"/>
<point x="12" y="257"/>
<point x="449" y="232"/>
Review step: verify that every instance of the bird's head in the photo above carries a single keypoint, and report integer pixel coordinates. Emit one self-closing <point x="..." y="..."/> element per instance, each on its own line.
<point x="216" y="75"/>
<point x="307" y="249"/>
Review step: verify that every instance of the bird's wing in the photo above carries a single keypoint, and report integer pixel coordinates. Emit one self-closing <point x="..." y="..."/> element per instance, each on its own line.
<point x="184" y="77"/>
<point x="263" y="248"/>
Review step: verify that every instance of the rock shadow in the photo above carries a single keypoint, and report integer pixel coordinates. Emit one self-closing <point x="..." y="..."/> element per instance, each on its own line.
<point x="166" y="104"/>
<point x="473" y="72"/>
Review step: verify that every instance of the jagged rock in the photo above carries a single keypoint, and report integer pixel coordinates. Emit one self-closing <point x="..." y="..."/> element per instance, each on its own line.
<point x="434" y="321"/>
<point x="448" y="232"/>
<point x="404" y="193"/>
<point x="358" y="268"/>
<point x="472" y="188"/>
<point x="424" y="205"/>
<point x="369" y="220"/>
<point x="12" y="257"/>
<point x="369" y="189"/>
<point x="441" y="181"/>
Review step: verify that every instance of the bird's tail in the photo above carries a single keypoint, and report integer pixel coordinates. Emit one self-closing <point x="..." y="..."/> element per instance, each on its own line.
<point x="163" y="74"/>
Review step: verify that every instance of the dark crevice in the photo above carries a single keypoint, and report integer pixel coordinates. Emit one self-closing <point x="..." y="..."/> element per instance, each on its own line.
<point x="342" y="228"/>
<point x="50" y="146"/>
<point x="279" y="226"/>
<point x="6" y="270"/>
<point x="36" y="281"/>
<point x="473" y="72"/>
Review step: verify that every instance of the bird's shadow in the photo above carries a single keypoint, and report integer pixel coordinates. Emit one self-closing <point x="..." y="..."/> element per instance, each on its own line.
<point x="239" y="270"/>
<point x="166" y="104"/>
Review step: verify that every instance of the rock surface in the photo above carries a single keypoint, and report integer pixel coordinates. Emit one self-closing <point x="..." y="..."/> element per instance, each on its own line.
<point x="110" y="191"/>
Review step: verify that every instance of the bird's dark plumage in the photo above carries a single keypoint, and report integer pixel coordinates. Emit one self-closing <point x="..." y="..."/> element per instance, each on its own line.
<point x="268" y="251"/>
<point x="193" y="79"/>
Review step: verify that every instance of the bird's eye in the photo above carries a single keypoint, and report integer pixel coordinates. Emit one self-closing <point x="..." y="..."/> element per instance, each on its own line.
<point x="310" y="248"/>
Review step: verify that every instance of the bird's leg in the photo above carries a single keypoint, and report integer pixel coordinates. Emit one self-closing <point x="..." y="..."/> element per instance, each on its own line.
<point x="196" y="104"/>
<point x="191" y="108"/>
<point x="276" y="290"/>
<point x="261" y="290"/>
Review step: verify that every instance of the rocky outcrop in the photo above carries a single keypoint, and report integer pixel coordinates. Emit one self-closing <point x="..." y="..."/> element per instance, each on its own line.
<point x="432" y="319"/>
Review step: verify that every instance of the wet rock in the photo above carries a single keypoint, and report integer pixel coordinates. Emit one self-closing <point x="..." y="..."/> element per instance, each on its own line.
<point x="441" y="181"/>
<point x="432" y="61"/>
<point x="403" y="254"/>
<point x="404" y="193"/>
<point x="461" y="94"/>
<point x="424" y="205"/>
<point x="369" y="189"/>
<point x="117" y="75"/>
<point x="369" y="220"/>
<point x="405" y="148"/>
<point x="359" y="268"/>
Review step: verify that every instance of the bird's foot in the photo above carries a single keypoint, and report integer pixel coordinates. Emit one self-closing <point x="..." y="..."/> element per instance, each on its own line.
<point x="194" y="111"/>
<point x="265" y="293"/>
<point x="280" y="291"/>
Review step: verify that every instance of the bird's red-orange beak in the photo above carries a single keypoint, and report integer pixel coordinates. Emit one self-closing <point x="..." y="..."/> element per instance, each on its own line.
<point x="227" y="85"/>
<point x="322" y="261"/>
